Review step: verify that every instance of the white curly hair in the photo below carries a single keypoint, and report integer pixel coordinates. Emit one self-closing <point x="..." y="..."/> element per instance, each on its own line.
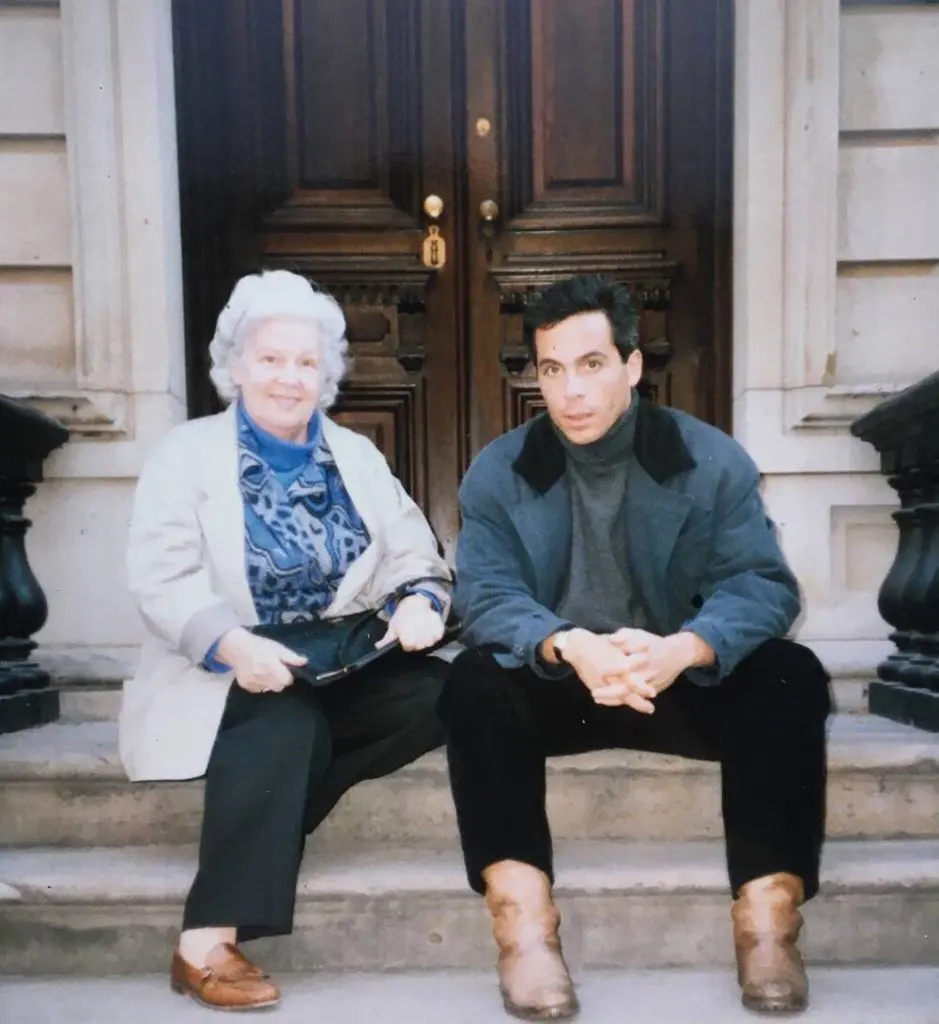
<point x="273" y="295"/>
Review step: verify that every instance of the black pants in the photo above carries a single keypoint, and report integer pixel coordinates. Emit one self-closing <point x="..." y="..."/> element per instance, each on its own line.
<point x="280" y="763"/>
<point x="765" y="723"/>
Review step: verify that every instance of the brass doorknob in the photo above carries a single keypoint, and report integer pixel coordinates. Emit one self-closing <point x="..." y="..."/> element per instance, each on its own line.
<point x="489" y="210"/>
<point x="433" y="207"/>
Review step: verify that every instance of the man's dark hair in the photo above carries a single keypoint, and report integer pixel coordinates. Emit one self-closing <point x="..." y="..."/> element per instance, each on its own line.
<point x="585" y="293"/>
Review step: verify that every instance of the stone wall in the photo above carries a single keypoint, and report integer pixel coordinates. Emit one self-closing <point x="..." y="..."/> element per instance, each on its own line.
<point x="837" y="282"/>
<point x="90" y="291"/>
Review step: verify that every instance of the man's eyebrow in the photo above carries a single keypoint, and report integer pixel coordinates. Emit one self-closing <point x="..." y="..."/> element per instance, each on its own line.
<point x="580" y="359"/>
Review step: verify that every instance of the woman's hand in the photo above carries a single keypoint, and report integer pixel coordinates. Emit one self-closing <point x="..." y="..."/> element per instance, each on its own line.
<point x="415" y="624"/>
<point x="260" y="665"/>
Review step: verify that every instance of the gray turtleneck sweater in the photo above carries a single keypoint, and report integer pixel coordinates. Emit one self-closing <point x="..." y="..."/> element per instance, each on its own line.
<point x="598" y="594"/>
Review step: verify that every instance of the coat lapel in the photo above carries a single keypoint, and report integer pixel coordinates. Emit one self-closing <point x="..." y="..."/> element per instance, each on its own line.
<point x="222" y="514"/>
<point x="544" y="526"/>
<point x="656" y="512"/>
<point x="654" y="518"/>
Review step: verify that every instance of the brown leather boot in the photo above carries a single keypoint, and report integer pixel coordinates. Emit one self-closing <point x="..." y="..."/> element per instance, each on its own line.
<point x="533" y="977"/>
<point x="766" y="928"/>
<point x="229" y="981"/>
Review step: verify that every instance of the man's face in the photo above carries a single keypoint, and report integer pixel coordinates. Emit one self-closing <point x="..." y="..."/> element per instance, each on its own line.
<point x="584" y="381"/>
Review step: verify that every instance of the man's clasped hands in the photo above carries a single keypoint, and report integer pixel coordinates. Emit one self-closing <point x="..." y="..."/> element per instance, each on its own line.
<point x="632" y="667"/>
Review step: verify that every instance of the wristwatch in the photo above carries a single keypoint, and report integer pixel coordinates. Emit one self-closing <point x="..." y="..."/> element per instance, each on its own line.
<point x="560" y="645"/>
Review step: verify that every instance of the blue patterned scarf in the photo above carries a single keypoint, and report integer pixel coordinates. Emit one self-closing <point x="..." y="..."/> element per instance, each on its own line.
<point x="302" y="531"/>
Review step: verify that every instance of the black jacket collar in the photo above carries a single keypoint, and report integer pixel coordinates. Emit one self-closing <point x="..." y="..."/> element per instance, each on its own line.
<point x="658" y="447"/>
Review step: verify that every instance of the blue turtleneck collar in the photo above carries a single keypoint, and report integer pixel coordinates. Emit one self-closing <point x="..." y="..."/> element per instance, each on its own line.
<point x="282" y="456"/>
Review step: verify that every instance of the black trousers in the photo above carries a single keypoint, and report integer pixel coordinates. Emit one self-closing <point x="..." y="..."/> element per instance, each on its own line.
<point x="765" y="723"/>
<point x="280" y="763"/>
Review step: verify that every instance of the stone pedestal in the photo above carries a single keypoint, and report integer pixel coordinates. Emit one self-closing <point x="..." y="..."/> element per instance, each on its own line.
<point x="27" y="437"/>
<point x="905" y="431"/>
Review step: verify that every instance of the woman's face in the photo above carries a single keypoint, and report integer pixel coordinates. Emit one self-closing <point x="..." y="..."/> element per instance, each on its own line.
<point x="279" y="377"/>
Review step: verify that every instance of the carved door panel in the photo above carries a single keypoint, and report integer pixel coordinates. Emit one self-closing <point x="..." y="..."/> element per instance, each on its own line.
<point x="368" y="114"/>
<point x="310" y="134"/>
<point x="558" y="135"/>
<point x="593" y="145"/>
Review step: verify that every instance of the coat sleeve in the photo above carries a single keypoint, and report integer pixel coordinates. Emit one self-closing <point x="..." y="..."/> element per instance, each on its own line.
<point x="494" y="593"/>
<point x="750" y="594"/>
<point x="408" y="545"/>
<point x="166" y="567"/>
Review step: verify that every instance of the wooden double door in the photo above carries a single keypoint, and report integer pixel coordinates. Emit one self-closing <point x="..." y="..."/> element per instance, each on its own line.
<point x="432" y="163"/>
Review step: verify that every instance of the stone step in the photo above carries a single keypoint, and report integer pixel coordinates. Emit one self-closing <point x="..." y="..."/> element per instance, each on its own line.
<point x="884" y="995"/>
<point x="63" y="785"/>
<point x="101" y="702"/>
<point x="625" y="905"/>
<point x="90" y="702"/>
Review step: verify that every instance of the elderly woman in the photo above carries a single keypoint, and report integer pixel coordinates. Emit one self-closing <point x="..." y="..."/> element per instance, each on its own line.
<point x="269" y="513"/>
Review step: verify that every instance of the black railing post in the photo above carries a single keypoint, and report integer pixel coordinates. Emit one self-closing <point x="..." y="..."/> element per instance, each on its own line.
<point x="27" y="437"/>
<point x="905" y="431"/>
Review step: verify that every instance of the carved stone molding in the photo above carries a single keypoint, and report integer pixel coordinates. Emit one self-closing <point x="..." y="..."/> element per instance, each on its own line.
<point x="648" y="275"/>
<point x="814" y="401"/>
<point x="835" y="407"/>
<point x="123" y="216"/>
<point x="86" y="413"/>
<point x="92" y="117"/>
<point x="811" y="189"/>
<point x="786" y="217"/>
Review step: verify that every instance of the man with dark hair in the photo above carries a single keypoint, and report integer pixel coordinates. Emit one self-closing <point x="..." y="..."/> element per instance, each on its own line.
<point x="621" y="586"/>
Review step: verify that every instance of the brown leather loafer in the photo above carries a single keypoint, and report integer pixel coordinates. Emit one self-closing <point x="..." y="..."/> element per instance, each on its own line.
<point x="229" y="981"/>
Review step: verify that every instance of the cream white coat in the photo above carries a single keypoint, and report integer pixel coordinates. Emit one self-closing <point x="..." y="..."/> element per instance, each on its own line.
<point x="186" y="558"/>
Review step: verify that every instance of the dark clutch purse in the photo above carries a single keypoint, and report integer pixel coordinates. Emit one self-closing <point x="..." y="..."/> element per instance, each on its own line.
<point x="335" y="648"/>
